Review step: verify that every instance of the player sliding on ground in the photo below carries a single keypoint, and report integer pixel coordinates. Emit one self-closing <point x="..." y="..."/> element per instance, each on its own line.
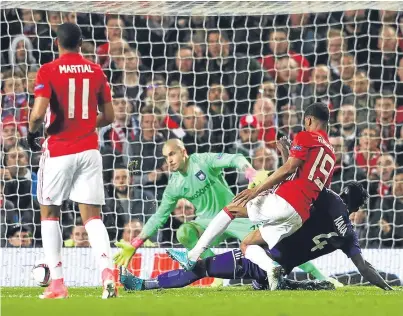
<point x="281" y="203"/>
<point x="327" y="230"/>
<point x="68" y="91"/>
<point x="199" y="179"/>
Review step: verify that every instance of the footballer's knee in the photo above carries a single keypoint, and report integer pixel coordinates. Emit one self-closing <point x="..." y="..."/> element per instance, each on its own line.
<point x="245" y="243"/>
<point x="243" y="247"/>
<point x="187" y="234"/>
<point x="88" y="211"/>
<point x="254" y="238"/>
<point x="50" y="211"/>
<point x="237" y="211"/>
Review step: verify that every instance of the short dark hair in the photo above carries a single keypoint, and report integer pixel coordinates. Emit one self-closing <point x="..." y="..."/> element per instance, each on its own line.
<point x="156" y="77"/>
<point x="187" y="47"/>
<point x="112" y="17"/>
<point x="69" y="36"/>
<point x="371" y="127"/>
<point x="79" y="222"/>
<point x="118" y="93"/>
<point x="280" y="30"/>
<point x="319" y="111"/>
<point x="354" y="196"/>
<point x="386" y="94"/>
<point x="10" y="231"/>
<point x="222" y="33"/>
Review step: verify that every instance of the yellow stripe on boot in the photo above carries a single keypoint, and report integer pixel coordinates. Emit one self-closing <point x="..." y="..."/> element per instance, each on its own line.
<point x="217" y="283"/>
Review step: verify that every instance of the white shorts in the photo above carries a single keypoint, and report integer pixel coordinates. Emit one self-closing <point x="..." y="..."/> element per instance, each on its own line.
<point x="77" y="177"/>
<point x="278" y="219"/>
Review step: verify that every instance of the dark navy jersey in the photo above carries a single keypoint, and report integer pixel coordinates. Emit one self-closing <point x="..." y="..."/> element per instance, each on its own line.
<point x="328" y="229"/>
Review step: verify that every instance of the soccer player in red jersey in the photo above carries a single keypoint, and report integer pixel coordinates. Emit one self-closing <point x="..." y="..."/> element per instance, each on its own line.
<point x="279" y="205"/>
<point x="68" y="93"/>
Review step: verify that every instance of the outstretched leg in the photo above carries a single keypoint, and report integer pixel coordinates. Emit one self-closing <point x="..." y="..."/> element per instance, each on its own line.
<point x="188" y="235"/>
<point x="217" y="226"/>
<point x="221" y="266"/>
<point x="229" y="265"/>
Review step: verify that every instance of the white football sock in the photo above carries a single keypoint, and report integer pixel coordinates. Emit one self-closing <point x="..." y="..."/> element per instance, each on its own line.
<point x="52" y="246"/>
<point x="216" y="227"/>
<point x="99" y="240"/>
<point x="258" y="256"/>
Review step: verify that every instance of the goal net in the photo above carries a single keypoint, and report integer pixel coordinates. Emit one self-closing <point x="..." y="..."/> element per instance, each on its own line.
<point x="222" y="76"/>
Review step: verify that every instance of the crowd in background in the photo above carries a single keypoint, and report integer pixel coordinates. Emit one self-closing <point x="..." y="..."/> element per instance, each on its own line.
<point x="230" y="84"/>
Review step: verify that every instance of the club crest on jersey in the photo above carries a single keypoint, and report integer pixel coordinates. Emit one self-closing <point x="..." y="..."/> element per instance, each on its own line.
<point x="201" y="175"/>
<point x="296" y="147"/>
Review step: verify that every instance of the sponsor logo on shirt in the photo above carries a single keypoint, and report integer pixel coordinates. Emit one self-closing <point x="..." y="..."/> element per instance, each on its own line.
<point x="39" y="87"/>
<point x="296" y="147"/>
<point x="200" y="192"/>
<point x="201" y="175"/>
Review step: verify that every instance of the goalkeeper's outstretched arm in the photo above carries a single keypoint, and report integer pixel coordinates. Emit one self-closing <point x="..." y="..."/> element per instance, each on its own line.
<point x="238" y="161"/>
<point x="168" y="203"/>
<point x="369" y="272"/>
<point x="160" y="217"/>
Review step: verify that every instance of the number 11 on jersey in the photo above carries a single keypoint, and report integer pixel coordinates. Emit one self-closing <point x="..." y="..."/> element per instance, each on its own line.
<point x="84" y="101"/>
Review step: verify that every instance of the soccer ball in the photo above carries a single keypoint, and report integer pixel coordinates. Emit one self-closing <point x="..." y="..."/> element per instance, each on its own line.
<point x="41" y="274"/>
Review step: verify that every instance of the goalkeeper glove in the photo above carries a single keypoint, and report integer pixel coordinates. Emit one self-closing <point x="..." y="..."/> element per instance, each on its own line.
<point x="250" y="173"/>
<point x="127" y="250"/>
<point x="259" y="178"/>
<point x="33" y="141"/>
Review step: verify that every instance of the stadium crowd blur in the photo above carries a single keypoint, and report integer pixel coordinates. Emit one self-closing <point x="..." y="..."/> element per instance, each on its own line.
<point x="221" y="84"/>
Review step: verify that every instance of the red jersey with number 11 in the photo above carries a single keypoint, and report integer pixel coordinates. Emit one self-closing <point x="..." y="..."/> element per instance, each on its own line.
<point x="75" y="87"/>
<point x="302" y="188"/>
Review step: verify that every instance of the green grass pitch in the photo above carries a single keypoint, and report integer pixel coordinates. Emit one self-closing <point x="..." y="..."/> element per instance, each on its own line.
<point x="193" y="301"/>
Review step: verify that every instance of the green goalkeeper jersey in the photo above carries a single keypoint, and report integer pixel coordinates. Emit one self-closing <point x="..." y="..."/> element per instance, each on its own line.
<point x="203" y="185"/>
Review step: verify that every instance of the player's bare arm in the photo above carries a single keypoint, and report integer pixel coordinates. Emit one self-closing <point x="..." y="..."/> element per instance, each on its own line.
<point x="283" y="145"/>
<point x="128" y="249"/>
<point x="38" y="114"/>
<point x="369" y="272"/>
<point x="106" y="115"/>
<point x="36" y="119"/>
<point x="277" y="177"/>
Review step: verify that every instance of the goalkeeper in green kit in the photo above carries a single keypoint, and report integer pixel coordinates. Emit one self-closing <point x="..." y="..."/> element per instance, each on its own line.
<point x="199" y="179"/>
